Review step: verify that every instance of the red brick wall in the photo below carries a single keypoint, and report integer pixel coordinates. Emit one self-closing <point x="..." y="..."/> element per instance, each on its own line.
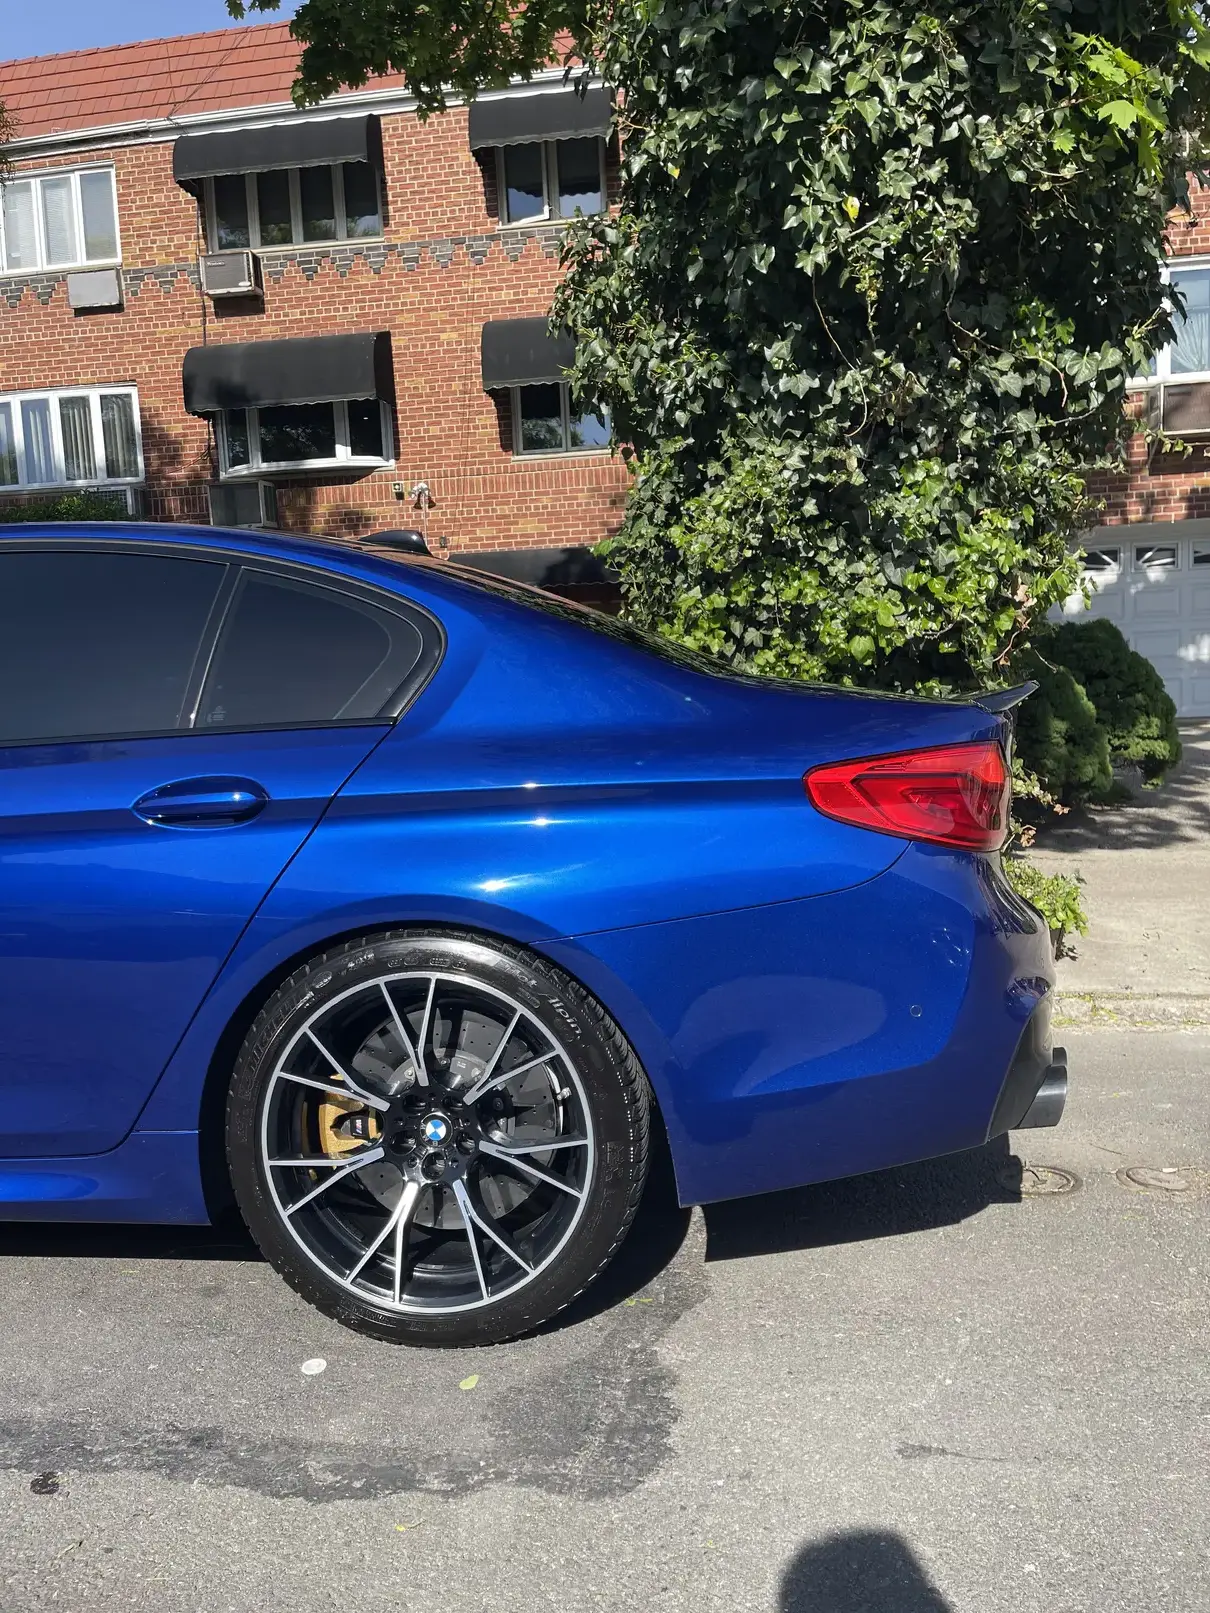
<point x="1163" y="486"/>
<point x="445" y="268"/>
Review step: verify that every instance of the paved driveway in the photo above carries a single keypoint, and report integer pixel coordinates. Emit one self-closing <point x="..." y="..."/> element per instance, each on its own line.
<point x="1147" y="871"/>
<point x="906" y="1394"/>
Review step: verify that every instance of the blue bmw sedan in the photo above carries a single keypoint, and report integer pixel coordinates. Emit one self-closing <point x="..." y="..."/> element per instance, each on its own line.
<point x="400" y="905"/>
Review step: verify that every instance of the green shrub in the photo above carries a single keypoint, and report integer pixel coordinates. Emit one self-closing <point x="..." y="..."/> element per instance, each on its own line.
<point x="1056" y="896"/>
<point x="1132" y="705"/>
<point x="1059" y="737"/>
<point x="86" y="506"/>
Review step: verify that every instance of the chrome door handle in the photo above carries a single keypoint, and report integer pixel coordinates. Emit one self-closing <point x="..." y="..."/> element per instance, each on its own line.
<point x="202" y="803"/>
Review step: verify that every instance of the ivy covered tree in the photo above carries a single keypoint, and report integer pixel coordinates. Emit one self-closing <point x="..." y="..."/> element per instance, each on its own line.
<point x="865" y="317"/>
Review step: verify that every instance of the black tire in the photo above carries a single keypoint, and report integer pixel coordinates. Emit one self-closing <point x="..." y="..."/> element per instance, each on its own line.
<point x="607" y="1090"/>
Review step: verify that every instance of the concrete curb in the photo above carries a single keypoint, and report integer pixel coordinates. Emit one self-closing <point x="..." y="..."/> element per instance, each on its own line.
<point x="1171" y="1011"/>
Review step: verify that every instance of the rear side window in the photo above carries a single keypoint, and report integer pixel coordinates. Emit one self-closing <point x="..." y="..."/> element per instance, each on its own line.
<point x="95" y="644"/>
<point x="292" y="654"/>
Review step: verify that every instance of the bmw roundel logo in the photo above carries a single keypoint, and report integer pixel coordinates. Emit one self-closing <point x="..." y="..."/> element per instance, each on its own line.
<point x="436" y="1129"/>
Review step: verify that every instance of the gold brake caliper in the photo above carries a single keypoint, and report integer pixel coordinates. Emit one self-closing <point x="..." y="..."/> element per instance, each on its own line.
<point x="346" y="1124"/>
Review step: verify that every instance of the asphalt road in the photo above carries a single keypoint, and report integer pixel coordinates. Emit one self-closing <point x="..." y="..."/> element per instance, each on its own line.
<point x="912" y="1393"/>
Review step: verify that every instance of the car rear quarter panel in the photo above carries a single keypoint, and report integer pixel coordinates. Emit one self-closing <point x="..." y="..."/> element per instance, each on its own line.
<point x="829" y="1036"/>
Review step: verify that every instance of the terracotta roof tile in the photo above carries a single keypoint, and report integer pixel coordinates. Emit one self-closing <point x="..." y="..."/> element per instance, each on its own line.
<point x="158" y="78"/>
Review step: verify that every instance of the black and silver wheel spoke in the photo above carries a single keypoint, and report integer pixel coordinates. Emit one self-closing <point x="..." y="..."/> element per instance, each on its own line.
<point x="442" y="1135"/>
<point x="511" y="1157"/>
<point x="338" y="1175"/>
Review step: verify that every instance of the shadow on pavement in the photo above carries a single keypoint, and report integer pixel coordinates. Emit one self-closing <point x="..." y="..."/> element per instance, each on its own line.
<point x="885" y="1204"/>
<point x="1177" y="813"/>
<point x="866" y="1571"/>
<point x="79" y="1241"/>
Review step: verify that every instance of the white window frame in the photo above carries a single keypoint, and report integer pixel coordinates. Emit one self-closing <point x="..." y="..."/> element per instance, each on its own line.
<point x="296" y="219"/>
<point x="18" y="177"/>
<point x="345" y="459"/>
<point x="550" y="183"/>
<point x="1163" y="359"/>
<point x="94" y="394"/>
<point x="566" y="416"/>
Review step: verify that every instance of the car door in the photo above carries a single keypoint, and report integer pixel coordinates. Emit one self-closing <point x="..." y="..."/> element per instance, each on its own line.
<point x="172" y="726"/>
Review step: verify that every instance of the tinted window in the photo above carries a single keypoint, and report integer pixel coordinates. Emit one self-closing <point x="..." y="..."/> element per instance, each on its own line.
<point x="290" y="653"/>
<point x="98" y="643"/>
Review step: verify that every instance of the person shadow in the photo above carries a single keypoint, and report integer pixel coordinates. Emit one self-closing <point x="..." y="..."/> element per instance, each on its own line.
<point x="858" y="1571"/>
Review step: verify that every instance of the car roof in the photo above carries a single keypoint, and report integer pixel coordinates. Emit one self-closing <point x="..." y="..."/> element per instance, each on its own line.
<point x="378" y="563"/>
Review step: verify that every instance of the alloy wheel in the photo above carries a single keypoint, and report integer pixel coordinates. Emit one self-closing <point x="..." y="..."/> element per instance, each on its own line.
<point x="427" y="1142"/>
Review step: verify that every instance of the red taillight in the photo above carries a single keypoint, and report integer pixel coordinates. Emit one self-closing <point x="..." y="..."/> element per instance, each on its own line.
<point x="956" y="795"/>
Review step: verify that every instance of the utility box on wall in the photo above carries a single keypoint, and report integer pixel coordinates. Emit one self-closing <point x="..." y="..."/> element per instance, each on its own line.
<point x="94" y="290"/>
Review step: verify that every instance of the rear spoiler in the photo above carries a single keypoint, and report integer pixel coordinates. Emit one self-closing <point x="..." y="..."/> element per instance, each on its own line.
<point x="1001" y="700"/>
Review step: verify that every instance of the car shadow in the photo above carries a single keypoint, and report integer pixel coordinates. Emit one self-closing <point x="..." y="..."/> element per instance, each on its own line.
<point x="860" y="1571"/>
<point x="885" y="1204"/>
<point x="229" y="1240"/>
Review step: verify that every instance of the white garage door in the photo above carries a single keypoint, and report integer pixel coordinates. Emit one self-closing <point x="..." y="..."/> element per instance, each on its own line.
<point x="1154" y="582"/>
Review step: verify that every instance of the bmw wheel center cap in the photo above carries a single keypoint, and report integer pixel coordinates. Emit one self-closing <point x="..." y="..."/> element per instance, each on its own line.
<point x="436" y="1129"/>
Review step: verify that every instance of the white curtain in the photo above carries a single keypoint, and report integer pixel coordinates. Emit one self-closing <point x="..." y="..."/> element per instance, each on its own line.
<point x="20" y="236"/>
<point x="79" y="456"/>
<point x="59" y="221"/>
<point x="35" y="428"/>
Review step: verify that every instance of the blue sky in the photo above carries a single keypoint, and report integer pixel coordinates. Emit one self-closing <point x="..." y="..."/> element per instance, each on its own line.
<point x="32" y="29"/>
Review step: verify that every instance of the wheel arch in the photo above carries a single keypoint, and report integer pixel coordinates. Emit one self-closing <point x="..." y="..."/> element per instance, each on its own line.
<point x="216" y="1180"/>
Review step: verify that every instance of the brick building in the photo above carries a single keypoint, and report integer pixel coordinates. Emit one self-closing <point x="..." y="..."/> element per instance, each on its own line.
<point x="1149" y="563"/>
<point x="232" y="307"/>
<point x="239" y="310"/>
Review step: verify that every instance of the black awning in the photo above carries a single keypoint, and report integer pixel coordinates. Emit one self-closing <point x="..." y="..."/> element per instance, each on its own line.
<point x="300" y="143"/>
<point x="522" y="352"/>
<point x="561" y="114"/>
<point x="307" y="369"/>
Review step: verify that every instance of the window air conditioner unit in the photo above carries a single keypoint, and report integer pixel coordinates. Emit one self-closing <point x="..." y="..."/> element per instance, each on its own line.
<point x="243" y="504"/>
<point x="1180" y="409"/>
<point x="231" y="274"/>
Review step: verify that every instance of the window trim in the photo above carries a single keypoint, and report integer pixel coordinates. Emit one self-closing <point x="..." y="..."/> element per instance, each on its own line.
<point x="550" y="184"/>
<point x="1163" y="374"/>
<point x="341" y="238"/>
<point x="54" y="395"/>
<point x="432" y="634"/>
<point x="1137" y="549"/>
<point x="567" y="451"/>
<point x="36" y="176"/>
<point x="256" y="468"/>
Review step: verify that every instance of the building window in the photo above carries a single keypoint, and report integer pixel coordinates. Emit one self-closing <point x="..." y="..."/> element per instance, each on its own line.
<point x="70" y="439"/>
<point x="551" y="179"/>
<point x="293" y="206"/>
<point x="547" y="421"/>
<point x="1187" y="356"/>
<point x="305" y="437"/>
<point x="58" y="221"/>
